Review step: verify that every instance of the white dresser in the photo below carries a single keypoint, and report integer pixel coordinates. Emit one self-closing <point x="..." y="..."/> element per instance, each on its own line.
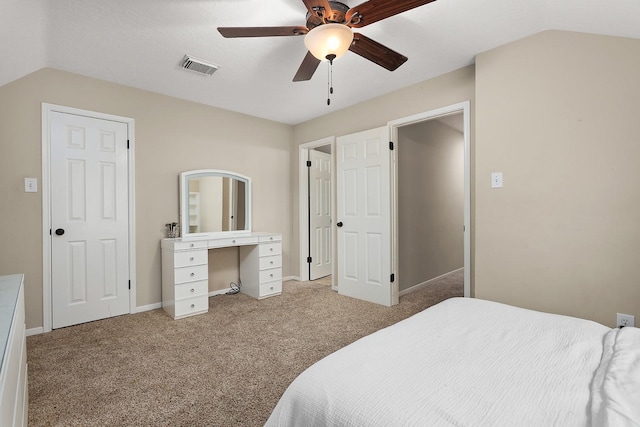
<point x="13" y="347"/>
<point x="185" y="270"/>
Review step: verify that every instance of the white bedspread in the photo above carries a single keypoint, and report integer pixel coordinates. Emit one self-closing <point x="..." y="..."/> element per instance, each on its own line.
<point x="463" y="362"/>
<point x="615" y="389"/>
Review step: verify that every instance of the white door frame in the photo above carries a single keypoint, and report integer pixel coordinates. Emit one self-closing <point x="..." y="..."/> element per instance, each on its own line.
<point x="47" y="109"/>
<point x="465" y="108"/>
<point x="303" y="195"/>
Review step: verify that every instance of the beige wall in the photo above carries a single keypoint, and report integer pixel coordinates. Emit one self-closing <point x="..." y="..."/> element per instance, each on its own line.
<point x="171" y="136"/>
<point x="448" y="89"/>
<point x="558" y="114"/>
<point x="430" y="201"/>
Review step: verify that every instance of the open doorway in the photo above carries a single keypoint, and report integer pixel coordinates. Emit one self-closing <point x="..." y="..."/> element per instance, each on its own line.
<point x="317" y="186"/>
<point x="431" y="203"/>
<point x="432" y="198"/>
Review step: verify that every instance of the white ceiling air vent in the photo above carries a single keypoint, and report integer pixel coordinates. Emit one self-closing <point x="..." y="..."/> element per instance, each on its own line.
<point x="198" y="65"/>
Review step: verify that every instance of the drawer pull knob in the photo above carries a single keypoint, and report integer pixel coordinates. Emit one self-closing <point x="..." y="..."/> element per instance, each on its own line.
<point x="191" y="245"/>
<point x="271" y="275"/>
<point x="271" y="288"/>
<point x="192" y="290"/>
<point x="271" y="238"/>
<point x="271" y="262"/>
<point x="271" y="249"/>
<point x="191" y="259"/>
<point x="193" y="305"/>
<point x="233" y="241"/>
<point x="193" y="274"/>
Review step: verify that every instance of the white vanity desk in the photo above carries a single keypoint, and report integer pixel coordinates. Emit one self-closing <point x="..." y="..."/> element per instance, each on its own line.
<point x="185" y="269"/>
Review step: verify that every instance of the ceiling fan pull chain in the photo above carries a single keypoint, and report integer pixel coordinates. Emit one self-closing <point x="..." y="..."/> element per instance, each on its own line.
<point x="330" y="57"/>
<point x="328" y="87"/>
<point x="331" y="77"/>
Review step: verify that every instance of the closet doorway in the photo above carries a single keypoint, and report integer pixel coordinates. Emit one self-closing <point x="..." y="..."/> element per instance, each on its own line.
<point x="316" y="194"/>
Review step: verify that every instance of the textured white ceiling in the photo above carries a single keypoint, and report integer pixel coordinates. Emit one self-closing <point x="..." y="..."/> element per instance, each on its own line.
<point x="140" y="43"/>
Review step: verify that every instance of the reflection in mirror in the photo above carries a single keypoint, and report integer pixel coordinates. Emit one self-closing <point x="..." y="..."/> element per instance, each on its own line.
<point x="214" y="202"/>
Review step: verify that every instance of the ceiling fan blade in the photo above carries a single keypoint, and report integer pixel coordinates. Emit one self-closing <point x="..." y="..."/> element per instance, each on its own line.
<point x="375" y="52"/>
<point x="376" y="10"/>
<point x="307" y="68"/>
<point x="232" y="32"/>
<point x="318" y="7"/>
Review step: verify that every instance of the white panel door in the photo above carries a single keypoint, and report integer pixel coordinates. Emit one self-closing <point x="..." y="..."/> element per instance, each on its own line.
<point x="89" y="219"/>
<point x="364" y="216"/>
<point x="320" y="214"/>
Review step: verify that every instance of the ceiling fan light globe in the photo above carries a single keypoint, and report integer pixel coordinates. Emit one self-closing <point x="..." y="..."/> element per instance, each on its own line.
<point x="328" y="39"/>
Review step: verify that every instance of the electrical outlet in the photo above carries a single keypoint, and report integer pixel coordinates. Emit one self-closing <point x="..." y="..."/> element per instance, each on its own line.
<point x="625" y="320"/>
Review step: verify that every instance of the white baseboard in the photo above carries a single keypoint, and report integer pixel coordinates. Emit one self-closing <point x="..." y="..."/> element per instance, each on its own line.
<point x="428" y="282"/>
<point x="40" y="329"/>
<point x="224" y="291"/>
<point x="35" y="331"/>
<point x="219" y="292"/>
<point x="148" y="307"/>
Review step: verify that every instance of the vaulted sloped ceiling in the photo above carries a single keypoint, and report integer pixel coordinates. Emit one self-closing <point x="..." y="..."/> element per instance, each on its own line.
<point x="141" y="43"/>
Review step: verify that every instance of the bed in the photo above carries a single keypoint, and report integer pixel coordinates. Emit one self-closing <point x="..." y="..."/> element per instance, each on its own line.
<point x="471" y="362"/>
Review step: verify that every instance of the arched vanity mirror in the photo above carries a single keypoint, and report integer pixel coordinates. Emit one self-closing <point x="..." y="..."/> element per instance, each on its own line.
<point x="214" y="203"/>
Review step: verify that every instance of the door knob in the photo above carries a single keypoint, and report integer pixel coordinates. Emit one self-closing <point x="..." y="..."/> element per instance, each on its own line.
<point x="60" y="231"/>
<point x="339" y="224"/>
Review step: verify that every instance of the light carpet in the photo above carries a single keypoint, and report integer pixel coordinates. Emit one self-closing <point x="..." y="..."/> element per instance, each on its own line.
<point x="228" y="367"/>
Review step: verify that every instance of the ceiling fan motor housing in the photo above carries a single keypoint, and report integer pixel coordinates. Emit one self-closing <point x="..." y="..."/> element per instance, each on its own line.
<point x="335" y="16"/>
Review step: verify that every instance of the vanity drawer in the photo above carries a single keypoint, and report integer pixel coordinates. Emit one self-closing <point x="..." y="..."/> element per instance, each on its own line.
<point x="187" y="258"/>
<point x="267" y="249"/>
<point x="196" y="244"/>
<point x="233" y="241"/>
<point x="270" y="262"/>
<point x="270" y="275"/>
<point x="272" y="238"/>
<point x="267" y="289"/>
<point x="191" y="273"/>
<point x="187" y="307"/>
<point x="193" y="289"/>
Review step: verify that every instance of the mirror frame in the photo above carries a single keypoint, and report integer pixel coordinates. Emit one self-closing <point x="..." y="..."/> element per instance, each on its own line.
<point x="184" y="202"/>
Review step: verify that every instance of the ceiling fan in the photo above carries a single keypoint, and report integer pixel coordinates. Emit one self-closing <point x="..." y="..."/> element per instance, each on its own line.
<point x="339" y="16"/>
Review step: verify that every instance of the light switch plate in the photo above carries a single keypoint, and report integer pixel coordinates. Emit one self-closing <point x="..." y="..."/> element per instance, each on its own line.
<point x="31" y="185"/>
<point x="496" y="180"/>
